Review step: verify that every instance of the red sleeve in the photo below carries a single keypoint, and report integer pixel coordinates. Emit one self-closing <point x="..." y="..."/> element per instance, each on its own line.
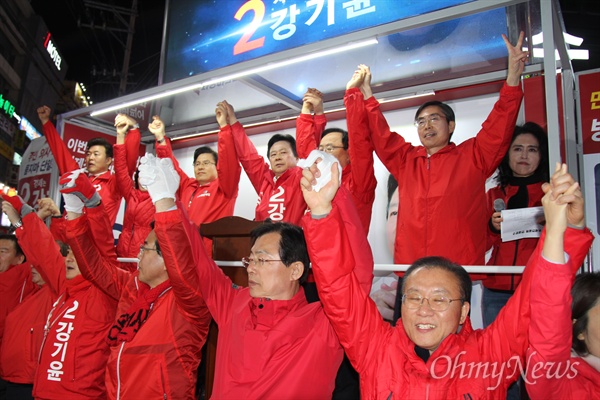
<point x="493" y="140"/>
<point x="95" y="268"/>
<point x="60" y="151"/>
<point x="166" y="151"/>
<point x="391" y="148"/>
<point x="124" y="181"/>
<point x="172" y="235"/>
<point x="253" y="163"/>
<point x="132" y="145"/>
<point x="308" y="133"/>
<point x="196" y="274"/>
<point x="337" y="264"/>
<point x="360" y="150"/>
<point x="41" y="250"/>
<point x="228" y="167"/>
<point x="101" y="228"/>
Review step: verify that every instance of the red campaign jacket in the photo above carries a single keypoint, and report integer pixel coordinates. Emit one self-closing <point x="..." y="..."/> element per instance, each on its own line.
<point x="267" y="349"/>
<point x="215" y="200"/>
<point x="359" y="175"/>
<point x="443" y="196"/>
<point x="553" y="373"/>
<point x="24" y="329"/>
<point x="384" y="356"/>
<point x="105" y="183"/>
<point x="139" y="210"/>
<point x="73" y="353"/>
<point x="515" y="252"/>
<point x="162" y="359"/>
<point x="278" y="199"/>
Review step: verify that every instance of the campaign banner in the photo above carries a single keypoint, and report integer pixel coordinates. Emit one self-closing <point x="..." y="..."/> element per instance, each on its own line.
<point x="36" y="172"/>
<point x="589" y="97"/>
<point x="204" y="36"/>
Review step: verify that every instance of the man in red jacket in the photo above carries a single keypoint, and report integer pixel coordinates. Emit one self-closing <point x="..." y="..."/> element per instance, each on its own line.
<point x="272" y="343"/>
<point x="433" y="352"/>
<point x="156" y="340"/>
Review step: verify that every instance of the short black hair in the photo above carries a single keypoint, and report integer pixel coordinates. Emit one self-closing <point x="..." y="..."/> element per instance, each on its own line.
<point x="63" y="247"/>
<point x="542" y="171"/>
<point x="446" y="109"/>
<point x="462" y="276"/>
<point x="586" y="294"/>
<point x="205" y="150"/>
<point x="156" y="244"/>
<point x="292" y="245"/>
<point x="343" y="132"/>
<point x="13" y="238"/>
<point x="101" y="142"/>
<point x="278" y="137"/>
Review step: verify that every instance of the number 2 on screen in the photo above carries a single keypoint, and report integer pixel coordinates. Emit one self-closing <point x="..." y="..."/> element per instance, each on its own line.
<point x="244" y="44"/>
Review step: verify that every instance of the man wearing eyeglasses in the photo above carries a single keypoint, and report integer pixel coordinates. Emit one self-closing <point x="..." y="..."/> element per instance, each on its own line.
<point x="352" y="148"/>
<point x="272" y="343"/>
<point x="433" y="352"/>
<point x="441" y="184"/>
<point x="212" y="192"/>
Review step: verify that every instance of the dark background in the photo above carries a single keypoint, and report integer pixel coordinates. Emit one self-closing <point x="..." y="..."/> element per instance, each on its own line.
<point x="95" y="56"/>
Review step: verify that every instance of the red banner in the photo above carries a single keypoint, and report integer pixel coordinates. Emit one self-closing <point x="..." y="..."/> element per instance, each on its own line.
<point x="589" y="98"/>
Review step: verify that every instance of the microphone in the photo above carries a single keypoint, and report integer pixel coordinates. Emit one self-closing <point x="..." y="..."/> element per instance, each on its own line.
<point x="499" y="205"/>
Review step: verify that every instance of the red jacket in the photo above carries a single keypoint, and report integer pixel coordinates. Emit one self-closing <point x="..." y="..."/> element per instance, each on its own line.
<point x="162" y="359"/>
<point x="15" y="286"/>
<point x="359" y="175"/>
<point x="24" y="329"/>
<point x="278" y="199"/>
<point x="443" y="196"/>
<point x="74" y="351"/>
<point x="139" y="210"/>
<point x="515" y="252"/>
<point x="384" y="356"/>
<point x="104" y="183"/>
<point x="214" y="200"/>
<point x="553" y="372"/>
<point x="267" y="349"/>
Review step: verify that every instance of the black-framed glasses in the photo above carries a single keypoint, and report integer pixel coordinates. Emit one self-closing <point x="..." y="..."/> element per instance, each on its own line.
<point x="204" y="163"/>
<point x="431" y="118"/>
<point x="143" y="249"/>
<point x="246" y="261"/>
<point x="436" y="303"/>
<point x="329" y="148"/>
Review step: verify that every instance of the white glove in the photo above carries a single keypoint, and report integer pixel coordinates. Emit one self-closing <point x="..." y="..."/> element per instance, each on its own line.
<point x="73" y="203"/>
<point x="324" y="166"/>
<point x="158" y="176"/>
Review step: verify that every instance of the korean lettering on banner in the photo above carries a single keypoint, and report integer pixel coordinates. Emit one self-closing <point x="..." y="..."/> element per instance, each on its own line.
<point x="78" y="148"/>
<point x="283" y="21"/>
<point x="589" y="88"/>
<point x="61" y="341"/>
<point x="35" y="172"/>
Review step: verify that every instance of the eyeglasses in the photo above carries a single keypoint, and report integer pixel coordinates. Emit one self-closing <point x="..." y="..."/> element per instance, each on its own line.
<point x="329" y="148"/>
<point x="204" y="163"/>
<point x="142" y="249"/>
<point x="246" y="261"/>
<point x="436" y="303"/>
<point x="431" y="118"/>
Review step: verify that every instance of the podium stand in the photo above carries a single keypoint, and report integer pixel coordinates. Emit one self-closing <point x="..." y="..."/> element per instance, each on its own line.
<point x="230" y="242"/>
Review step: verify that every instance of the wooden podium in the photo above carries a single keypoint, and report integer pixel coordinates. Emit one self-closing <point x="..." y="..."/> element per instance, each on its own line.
<point x="230" y="242"/>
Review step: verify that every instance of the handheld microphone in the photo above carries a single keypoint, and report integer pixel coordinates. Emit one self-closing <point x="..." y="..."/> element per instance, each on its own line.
<point x="499" y="205"/>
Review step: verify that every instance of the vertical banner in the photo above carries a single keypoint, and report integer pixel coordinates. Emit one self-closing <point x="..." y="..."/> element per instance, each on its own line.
<point x="36" y="172"/>
<point x="589" y="112"/>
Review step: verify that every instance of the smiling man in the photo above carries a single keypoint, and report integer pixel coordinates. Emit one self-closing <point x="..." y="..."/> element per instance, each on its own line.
<point x="442" y="185"/>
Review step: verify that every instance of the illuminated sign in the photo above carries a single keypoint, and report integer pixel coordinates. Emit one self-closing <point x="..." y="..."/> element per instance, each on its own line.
<point x="52" y="51"/>
<point x="204" y="36"/>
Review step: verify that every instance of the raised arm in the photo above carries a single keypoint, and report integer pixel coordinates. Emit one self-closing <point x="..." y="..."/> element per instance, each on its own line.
<point x="128" y="133"/>
<point x="195" y="276"/>
<point x="124" y="180"/>
<point x="308" y="127"/>
<point x="228" y="167"/>
<point x="60" y="151"/>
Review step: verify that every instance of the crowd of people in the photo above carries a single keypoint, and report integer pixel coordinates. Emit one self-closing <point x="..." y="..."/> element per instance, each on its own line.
<point x="75" y="323"/>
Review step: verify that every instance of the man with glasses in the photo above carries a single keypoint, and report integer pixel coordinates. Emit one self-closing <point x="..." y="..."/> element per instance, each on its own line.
<point x="433" y="352"/>
<point x="212" y="192"/>
<point x="155" y="341"/>
<point x="441" y="184"/>
<point x="277" y="182"/>
<point x="352" y="148"/>
<point x="272" y="343"/>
